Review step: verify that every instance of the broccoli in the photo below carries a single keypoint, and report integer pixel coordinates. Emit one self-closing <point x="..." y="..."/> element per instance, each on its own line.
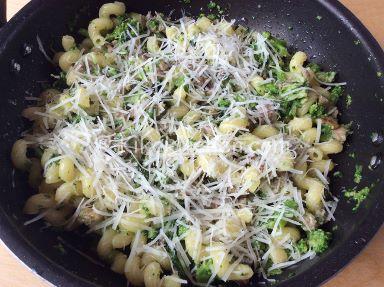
<point x="348" y="101"/>
<point x="302" y="246"/>
<point x="314" y="67"/>
<point x="204" y="271"/>
<point x="181" y="229"/>
<point x="317" y="111"/>
<point x="123" y="30"/>
<point x="292" y="204"/>
<point x="289" y="108"/>
<point x="75" y="119"/>
<point x="153" y="24"/>
<point x="326" y="133"/>
<point x="326" y="77"/>
<point x="179" y="81"/>
<point x="260" y="246"/>
<point x="358" y="173"/>
<point x="318" y="240"/>
<point x="223" y="103"/>
<point x="152" y="233"/>
<point x="336" y="93"/>
<point x="357" y="196"/>
<point x="279" y="45"/>
<point x="271" y="223"/>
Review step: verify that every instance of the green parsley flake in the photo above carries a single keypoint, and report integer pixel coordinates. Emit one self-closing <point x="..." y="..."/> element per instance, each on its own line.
<point x="358" y="173"/>
<point x="357" y="42"/>
<point x="319" y="17"/>
<point x="357" y="196"/>
<point x="379" y="74"/>
<point x="352" y="155"/>
<point x="348" y="101"/>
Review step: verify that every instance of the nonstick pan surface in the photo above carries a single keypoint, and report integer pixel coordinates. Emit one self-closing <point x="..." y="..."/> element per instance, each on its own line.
<point x="324" y="29"/>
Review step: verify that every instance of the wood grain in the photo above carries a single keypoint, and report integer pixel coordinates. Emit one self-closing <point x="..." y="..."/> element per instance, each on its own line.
<point x="366" y="270"/>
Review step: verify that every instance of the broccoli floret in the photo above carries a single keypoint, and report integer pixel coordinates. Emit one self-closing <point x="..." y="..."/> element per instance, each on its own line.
<point x="302" y="246"/>
<point x="204" y="271"/>
<point x="279" y="45"/>
<point x="153" y="24"/>
<point x="223" y="103"/>
<point x="358" y="173"/>
<point x="336" y="93"/>
<point x="152" y="233"/>
<point x="318" y="240"/>
<point x="292" y="204"/>
<point x="326" y="77"/>
<point x="314" y="67"/>
<point x="317" y="111"/>
<point x="179" y="81"/>
<point x="271" y="223"/>
<point x="123" y="30"/>
<point x="326" y="133"/>
<point x="357" y="196"/>
<point x="182" y="229"/>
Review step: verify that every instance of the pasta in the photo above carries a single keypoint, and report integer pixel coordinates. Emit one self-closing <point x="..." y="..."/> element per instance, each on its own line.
<point x="197" y="150"/>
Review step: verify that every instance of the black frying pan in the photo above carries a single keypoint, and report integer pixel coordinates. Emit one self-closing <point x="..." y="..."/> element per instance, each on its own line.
<point x="338" y="41"/>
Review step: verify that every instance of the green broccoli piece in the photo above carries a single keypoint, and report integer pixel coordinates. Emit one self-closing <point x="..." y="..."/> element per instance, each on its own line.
<point x="336" y="93"/>
<point x="271" y="89"/>
<point x="357" y="196"/>
<point x="314" y="67"/>
<point x="152" y="233"/>
<point x="153" y="24"/>
<point x="271" y="223"/>
<point x="260" y="245"/>
<point x="326" y="133"/>
<point x="181" y="229"/>
<point x="318" y="240"/>
<point x="179" y="81"/>
<point x="204" y="271"/>
<point x="291" y="203"/>
<point x="358" y="173"/>
<point x="223" y="103"/>
<point x="326" y="77"/>
<point x="76" y="119"/>
<point x="275" y="272"/>
<point x="317" y="111"/>
<point x="123" y="30"/>
<point x="348" y="101"/>
<point x="302" y="246"/>
<point x="279" y="45"/>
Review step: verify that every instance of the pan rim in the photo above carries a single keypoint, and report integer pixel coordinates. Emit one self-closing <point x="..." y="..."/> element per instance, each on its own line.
<point x="55" y="274"/>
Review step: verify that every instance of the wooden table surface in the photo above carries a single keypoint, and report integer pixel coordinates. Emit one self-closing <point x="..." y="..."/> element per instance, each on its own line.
<point x="367" y="270"/>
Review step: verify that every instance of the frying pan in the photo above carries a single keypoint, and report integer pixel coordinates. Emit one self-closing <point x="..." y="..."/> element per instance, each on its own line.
<point x="336" y="40"/>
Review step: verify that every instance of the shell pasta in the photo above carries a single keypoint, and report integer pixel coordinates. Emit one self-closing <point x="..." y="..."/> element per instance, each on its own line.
<point x="198" y="150"/>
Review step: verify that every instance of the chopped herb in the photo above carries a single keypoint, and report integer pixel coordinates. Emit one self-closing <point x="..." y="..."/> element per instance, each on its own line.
<point x="291" y="203"/>
<point x="326" y="77"/>
<point x="358" y="196"/>
<point x="358" y="173"/>
<point x="379" y="74"/>
<point x="179" y="81"/>
<point x="204" y="271"/>
<point x="338" y="174"/>
<point x="223" y="103"/>
<point x="326" y="133"/>
<point x="336" y="93"/>
<point x="302" y="246"/>
<point x="319" y="17"/>
<point x="348" y="101"/>
<point x="153" y="24"/>
<point x="314" y="67"/>
<point x="357" y="42"/>
<point x="317" y="111"/>
<point x="152" y="233"/>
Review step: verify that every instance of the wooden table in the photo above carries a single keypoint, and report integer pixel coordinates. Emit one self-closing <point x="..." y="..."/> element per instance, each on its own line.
<point x="367" y="270"/>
